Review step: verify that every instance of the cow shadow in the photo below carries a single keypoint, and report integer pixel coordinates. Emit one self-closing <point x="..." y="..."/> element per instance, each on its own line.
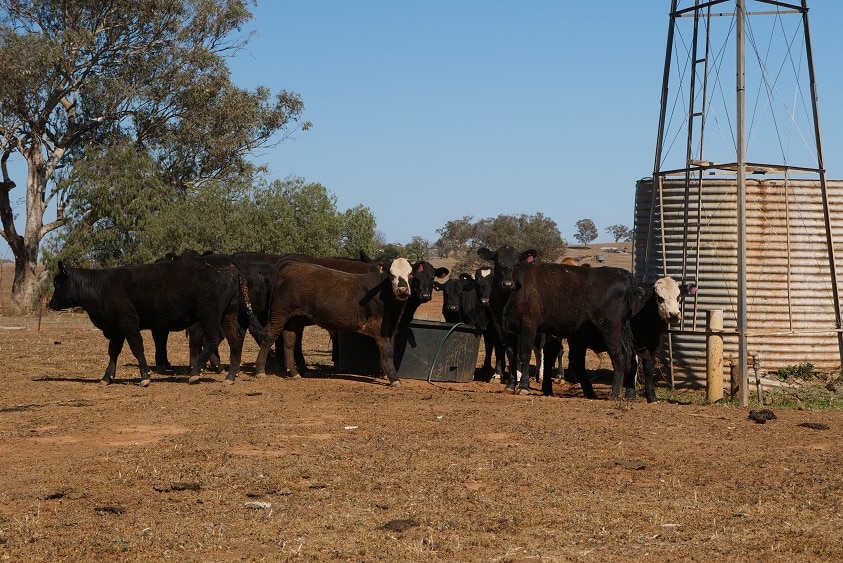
<point x="68" y="379"/>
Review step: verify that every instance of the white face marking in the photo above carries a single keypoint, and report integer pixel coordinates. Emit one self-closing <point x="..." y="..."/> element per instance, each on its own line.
<point x="667" y="299"/>
<point x="399" y="273"/>
<point x="485" y="272"/>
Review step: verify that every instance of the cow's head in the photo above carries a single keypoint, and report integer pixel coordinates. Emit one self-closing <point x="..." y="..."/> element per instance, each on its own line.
<point x="667" y="293"/>
<point x="483" y="284"/>
<point x="506" y="260"/>
<point x="63" y="297"/>
<point x="450" y="297"/>
<point x="400" y="275"/>
<point x="423" y="277"/>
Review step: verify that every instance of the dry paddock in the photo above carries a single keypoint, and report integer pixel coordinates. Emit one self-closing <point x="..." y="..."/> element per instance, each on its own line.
<point x="341" y="467"/>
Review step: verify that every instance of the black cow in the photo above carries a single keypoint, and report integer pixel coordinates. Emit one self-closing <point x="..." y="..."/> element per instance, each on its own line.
<point x="258" y="269"/>
<point x="655" y="307"/>
<point x="422" y="283"/>
<point x="460" y="302"/>
<point x="496" y="292"/>
<point x="164" y="296"/>
<point x="369" y="303"/>
<point x="563" y="301"/>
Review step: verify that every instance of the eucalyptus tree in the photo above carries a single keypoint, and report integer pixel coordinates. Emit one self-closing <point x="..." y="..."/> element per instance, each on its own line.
<point x="80" y="76"/>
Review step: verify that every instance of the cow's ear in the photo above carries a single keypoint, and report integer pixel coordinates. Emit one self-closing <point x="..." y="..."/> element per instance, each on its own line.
<point x="530" y="255"/>
<point x="689" y="288"/>
<point x="364" y="257"/>
<point x="61" y="267"/>
<point x="441" y="272"/>
<point x="485" y="253"/>
<point x="438" y="286"/>
<point x="465" y="276"/>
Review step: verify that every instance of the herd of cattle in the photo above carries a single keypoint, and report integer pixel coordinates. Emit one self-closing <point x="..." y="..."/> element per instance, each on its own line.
<point x="519" y="302"/>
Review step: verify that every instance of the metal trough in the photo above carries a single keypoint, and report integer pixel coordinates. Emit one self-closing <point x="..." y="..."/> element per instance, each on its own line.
<point x="429" y="350"/>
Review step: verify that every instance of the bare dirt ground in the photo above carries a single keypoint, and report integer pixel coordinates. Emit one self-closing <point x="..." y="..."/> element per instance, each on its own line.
<point x="342" y="467"/>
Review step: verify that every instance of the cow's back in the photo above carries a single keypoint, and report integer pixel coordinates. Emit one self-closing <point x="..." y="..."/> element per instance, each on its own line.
<point x="562" y="298"/>
<point x="169" y="295"/>
<point x="333" y="299"/>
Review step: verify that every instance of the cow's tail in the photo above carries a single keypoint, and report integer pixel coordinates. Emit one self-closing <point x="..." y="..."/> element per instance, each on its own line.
<point x="247" y="313"/>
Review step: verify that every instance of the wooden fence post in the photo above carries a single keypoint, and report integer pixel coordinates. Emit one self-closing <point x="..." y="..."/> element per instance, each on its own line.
<point x="714" y="355"/>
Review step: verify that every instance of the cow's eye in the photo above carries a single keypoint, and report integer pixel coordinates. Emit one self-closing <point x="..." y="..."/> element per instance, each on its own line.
<point x="660" y="298"/>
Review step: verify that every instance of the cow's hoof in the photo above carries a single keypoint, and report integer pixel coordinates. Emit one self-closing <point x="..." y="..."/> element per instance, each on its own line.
<point x="144" y="382"/>
<point x="105" y="382"/>
<point x="261" y="375"/>
<point x="228" y="381"/>
<point x="193" y="379"/>
<point x="295" y="376"/>
<point x="522" y="391"/>
<point x="395" y="384"/>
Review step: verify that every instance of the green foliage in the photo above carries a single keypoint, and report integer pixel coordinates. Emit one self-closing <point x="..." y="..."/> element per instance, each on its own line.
<point x="417" y="249"/>
<point x="391" y="251"/>
<point x="806" y="397"/>
<point x="620" y="233"/>
<point x="288" y="216"/>
<point x="803" y="371"/>
<point x="117" y="193"/>
<point x="82" y="78"/>
<point x="586" y="231"/>
<point x="461" y="238"/>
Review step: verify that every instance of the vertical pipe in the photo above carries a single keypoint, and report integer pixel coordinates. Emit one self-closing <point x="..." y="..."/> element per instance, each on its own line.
<point x="714" y="355"/>
<point x="823" y="187"/>
<point x="740" y="14"/>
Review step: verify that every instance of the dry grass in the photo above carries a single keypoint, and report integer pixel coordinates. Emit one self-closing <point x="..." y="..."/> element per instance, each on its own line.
<point x="341" y="467"/>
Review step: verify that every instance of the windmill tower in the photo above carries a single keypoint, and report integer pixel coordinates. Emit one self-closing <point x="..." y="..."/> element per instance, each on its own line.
<point x="739" y="201"/>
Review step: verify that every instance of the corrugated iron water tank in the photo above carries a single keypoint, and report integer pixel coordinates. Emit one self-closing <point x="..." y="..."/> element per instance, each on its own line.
<point x="693" y="228"/>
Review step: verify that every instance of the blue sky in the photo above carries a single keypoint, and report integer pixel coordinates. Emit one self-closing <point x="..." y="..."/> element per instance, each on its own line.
<point x="428" y="112"/>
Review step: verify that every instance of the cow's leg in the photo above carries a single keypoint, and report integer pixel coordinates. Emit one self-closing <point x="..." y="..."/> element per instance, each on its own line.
<point x="289" y="337"/>
<point x="115" y="345"/>
<point x="273" y="329"/>
<point x="489" y="348"/>
<point x="195" y="340"/>
<point x="212" y="330"/>
<point x="538" y="350"/>
<point x="387" y="357"/>
<point x="553" y="351"/>
<point x="297" y="327"/>
<point x="523" y="349"/>
<point x="503" y="354"/>
<point x="648" y="366"/>
<point x="135" y="341"/>
<point x="159" y="337"/>
<point x="553" y="359"/>
<point x="620" y="366"/>
<point x="234" y="335"/>
<point x="622" y="358"/>
<point x="576" y="367"/>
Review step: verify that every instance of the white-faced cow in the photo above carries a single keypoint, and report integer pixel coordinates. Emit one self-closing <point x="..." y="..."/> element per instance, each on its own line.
<point x="565" y="301"/>
<point x="369" y="303"/>
<point x="483" y="278"/>
<point x="164" y="296"/>
<point x="422" y="277"/>
<point x="655" y="307"/>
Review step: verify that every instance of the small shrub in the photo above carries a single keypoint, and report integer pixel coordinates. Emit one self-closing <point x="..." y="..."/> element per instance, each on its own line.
<point x="804" y="372"/>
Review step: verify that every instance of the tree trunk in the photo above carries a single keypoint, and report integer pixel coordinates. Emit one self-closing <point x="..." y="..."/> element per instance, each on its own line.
<point x="25" y="284"/>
